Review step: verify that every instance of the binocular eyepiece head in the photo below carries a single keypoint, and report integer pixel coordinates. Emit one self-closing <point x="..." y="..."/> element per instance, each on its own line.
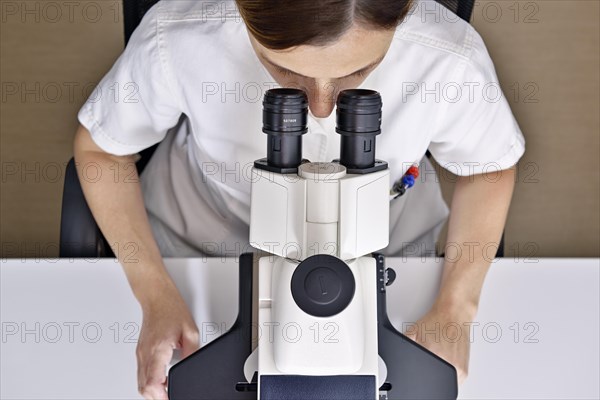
<point x="358" y="120"/>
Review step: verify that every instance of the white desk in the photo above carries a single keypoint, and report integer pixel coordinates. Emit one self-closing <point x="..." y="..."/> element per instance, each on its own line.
<point x="69" y="327"/>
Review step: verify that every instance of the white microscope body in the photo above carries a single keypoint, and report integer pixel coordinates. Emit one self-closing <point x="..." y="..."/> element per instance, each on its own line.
<point x="317" y="311"/>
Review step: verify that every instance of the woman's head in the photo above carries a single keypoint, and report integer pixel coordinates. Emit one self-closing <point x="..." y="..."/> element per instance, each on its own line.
<point x="321" y="46"/>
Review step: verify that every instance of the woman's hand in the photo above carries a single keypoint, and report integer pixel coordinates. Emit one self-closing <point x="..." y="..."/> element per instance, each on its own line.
<point x="167" y="325"/>
<point x="446" y="333"/>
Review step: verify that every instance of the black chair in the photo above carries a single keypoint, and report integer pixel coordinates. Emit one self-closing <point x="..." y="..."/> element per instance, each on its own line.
<point x="462" y="8"/>
<point x="80" y="236"/>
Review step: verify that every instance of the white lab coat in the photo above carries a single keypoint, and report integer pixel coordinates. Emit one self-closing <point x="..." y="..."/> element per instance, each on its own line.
<point x="190" y="78"/>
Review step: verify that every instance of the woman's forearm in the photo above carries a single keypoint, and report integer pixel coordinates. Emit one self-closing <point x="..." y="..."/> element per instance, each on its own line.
<point x="478" y="213"/>
<point x="113" y="192"/>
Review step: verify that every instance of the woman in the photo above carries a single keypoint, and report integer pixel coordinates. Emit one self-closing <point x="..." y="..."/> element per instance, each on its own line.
<point x="193" y="76"/>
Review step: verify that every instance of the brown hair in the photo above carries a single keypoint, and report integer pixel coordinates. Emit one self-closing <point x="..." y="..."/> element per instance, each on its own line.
<point x="282" y="24"/>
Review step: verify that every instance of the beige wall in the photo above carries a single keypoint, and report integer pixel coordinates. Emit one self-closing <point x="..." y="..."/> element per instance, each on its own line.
<point x="37" y="135"/>
<point x="546" y="57"/>
<point x="556" y="205"/>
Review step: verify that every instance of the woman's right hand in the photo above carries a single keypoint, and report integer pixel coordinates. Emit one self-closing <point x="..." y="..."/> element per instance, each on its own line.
<point x="167" y="325"/>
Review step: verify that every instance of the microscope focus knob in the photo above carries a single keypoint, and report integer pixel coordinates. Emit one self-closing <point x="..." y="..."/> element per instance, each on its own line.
<point x="323" y="285"/>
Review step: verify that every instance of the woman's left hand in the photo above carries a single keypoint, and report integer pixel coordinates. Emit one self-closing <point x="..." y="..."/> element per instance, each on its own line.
<point x="447" y="334"/>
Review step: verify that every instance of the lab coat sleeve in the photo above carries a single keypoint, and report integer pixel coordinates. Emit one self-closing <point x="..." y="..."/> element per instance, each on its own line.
<point x="476" y="131"/>
<point x="134" y="105"/>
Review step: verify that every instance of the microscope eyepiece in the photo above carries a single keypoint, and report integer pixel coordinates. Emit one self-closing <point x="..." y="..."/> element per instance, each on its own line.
<point x="358" y="120"/>
<point x="285" y="113"/>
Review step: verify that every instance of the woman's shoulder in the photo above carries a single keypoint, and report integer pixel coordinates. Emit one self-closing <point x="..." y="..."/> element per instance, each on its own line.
<point x="438" y="30"/>
<point x="186" y="32"/>
<point x="194" y="10"/>
<point x="190" y="20"/>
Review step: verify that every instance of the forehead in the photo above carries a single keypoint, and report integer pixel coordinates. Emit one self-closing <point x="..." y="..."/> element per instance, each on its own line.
<point x="354" y="50"/>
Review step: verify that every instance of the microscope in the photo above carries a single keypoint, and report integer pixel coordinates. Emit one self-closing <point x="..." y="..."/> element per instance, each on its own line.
<point x="323" y="329"/>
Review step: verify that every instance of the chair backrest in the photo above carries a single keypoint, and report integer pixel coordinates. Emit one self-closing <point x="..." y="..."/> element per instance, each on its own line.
<point x="462" y="8"/>
<point x="133" y="12"/>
